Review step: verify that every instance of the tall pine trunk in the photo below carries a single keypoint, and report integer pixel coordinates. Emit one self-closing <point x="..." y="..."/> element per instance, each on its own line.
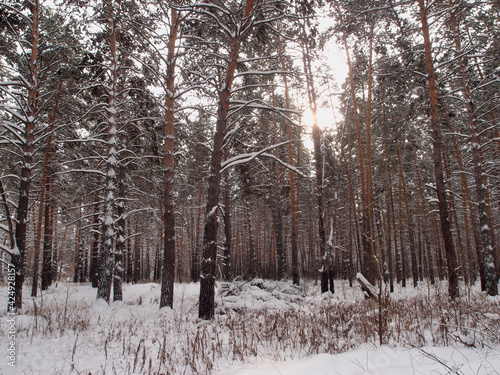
<point x="47" y="238"/>
<point x="120" y="237"/>
<point x="318" y="165"/>
<point x="106" y="270"/>
<point x="368" y="264"/>
<point x="487" y="252"/>
<point x="226" y="268"/>
<point x="43" y="193"/>
<point x="94" y="247"/>
<point x="209" y="260"/>
<point x="168" y="269"/>
<point x="293" y="197"/>
<point x="389" y="204"/>
<point x="444" y="215"/>
<point x="18" y="253"/>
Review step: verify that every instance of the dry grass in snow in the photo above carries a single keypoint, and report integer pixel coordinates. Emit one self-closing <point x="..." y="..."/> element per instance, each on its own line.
<point x="66" y="331"/>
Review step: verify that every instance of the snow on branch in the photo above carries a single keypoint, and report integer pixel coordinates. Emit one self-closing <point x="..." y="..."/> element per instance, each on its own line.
<point x="246" y="158"/>
<point x="81" y="170"/>
<point x="14" y="251"/>
<point x="14" y="130"/>
<point x="202" y="8"/>
<point x="369" y="290"/>
<point x="261" y="73"/>
<point x="286" y="165"/>
<point x="258" y="58"/>
<point x="259" y="104"/>
<point x="13" y="111"/>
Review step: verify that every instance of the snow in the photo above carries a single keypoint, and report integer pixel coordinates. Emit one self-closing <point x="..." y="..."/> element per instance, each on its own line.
<point x="109" y="220"/>
<point x="383" y="360"/>
<point x="75" y="333"/>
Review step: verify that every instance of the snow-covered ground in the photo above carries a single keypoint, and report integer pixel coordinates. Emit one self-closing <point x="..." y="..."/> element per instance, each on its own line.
<point x="381" y="361"/>
<point x="261" y="328"/>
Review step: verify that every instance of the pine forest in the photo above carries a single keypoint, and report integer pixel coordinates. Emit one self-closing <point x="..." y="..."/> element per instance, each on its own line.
<point x="249" y="187"/>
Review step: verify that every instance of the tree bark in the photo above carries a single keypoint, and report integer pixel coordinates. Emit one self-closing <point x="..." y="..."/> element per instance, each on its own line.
<point x="389" y="204"/>
<point x="276" y="202"/>
<point x="195" y="251"/>
<point x="293" y="196"/>
<point x="409" y="222"/>
<point x="368" y="261"/>
<point x="45" y="187"/>
<point x="252" y="258"/>
<point x="226" y="269"/>
<point x="120" y="237"/>
<point x="318" y="165"/>
<point x="208" y="265"/>
<point x="168" y="269"/>
<point x="94" y="249"/>
<point x="444" y="216"/>
<point x="487" y="251"/>
<point x="106" y="271"/>
<point x="18" y="254"/>
<point x="47" y="238"/>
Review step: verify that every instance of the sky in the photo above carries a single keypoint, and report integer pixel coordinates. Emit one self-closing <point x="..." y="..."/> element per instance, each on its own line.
<point x="335" y="64"/>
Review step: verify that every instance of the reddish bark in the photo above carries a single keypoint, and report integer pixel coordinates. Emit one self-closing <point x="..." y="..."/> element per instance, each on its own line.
<point x="208" y="265"/>
<point x="168" y="269"/>
<point x="444" y="216"/>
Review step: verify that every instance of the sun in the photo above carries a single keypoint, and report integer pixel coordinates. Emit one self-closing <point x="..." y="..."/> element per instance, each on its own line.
<point x="325" y="118"/>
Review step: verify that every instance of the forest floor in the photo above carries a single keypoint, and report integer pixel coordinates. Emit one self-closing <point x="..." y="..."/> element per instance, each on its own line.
<point x="261" y="328"/>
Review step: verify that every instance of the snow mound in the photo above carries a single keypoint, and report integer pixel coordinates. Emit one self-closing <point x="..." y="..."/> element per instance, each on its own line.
<point x="100" y="306"/>
<point x="257" y="295"/>
<point x="166" y="312"/>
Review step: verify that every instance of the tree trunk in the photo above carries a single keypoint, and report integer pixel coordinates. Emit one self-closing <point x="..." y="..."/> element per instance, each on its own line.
<point x="318" y="164"/>
<point x="120" y="237"/>
<point x="226" y="269"/>
<point x="467" y="203"/>
<point x="425" y="227"/>
<point x="168" y="269"/>
<point x="487" y="252"/>
<point x="78" y="276"/>
<point x="372" y="261"/>
<point x="410" y="224"/>
<point x="45" y="187"/>
<point x="444" y="216"/>
<point x="208" y="265"/>
<point x="47" y="238"/>
<point x="94" y="249"/>
<point x="368" y="261"/>
<point x="252" y="259"/>
<point x="401" y="260"/>
<point x="293" y="196"/>
<point x="137" y="254"/>
<point x="106" y="271"/>
<point x="389" y="204"/>
<point x="195" y="251"/>
<point x="18" y="253"/>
